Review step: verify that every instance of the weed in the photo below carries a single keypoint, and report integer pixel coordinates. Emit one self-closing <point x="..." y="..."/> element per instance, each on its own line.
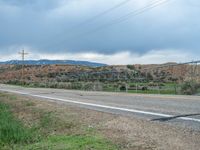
<point x="11" y="97"/>
<point x="29" y="104"/>
<point x="12" y="131"/>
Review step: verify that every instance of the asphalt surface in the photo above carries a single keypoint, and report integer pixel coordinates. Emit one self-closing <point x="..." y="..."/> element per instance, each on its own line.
<point x="181" y="111"/>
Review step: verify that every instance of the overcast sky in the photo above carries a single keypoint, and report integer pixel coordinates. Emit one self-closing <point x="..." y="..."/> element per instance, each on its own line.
<point x="70" y="29"/>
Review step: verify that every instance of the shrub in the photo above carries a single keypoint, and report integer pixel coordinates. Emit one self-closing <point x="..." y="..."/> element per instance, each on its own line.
<point x="189" y="88"/>
<point x="123" y="88"/>
<point x="131" y="67"/>
<point x="88" y="86"/>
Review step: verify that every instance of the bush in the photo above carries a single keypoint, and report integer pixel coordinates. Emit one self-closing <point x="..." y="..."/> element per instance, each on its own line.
<point x="189" y="88"/>
<point x="122" y="88"/>
<point x="144" y="88"/>
<point x="131" y="67"/>
<point x="88" y="86"/>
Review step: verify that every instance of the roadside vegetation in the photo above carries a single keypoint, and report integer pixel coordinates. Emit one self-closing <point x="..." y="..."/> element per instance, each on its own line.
<point x="190" y="88"/>
<point x="23" y="126"/>
<point x="185" y="88"/>
<point x="12" y="131"/>
<point x="130" y="78"/>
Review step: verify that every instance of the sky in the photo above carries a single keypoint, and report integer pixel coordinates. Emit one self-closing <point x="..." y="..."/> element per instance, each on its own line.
<point x="100" y="31"/>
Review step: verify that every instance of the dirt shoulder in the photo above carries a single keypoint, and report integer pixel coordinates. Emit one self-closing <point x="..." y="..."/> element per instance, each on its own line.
<point x="127" y="132"/>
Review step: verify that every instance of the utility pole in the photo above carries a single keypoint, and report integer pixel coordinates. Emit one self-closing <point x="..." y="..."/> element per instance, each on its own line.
<point x="23" y="56"/>
<point x="198" y="73"/>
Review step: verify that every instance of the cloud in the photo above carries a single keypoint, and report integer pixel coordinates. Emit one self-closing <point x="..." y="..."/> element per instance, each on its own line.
<point x="55" y="27"/>
<point x="120" y="58"/>
<point x="127" y="57"/>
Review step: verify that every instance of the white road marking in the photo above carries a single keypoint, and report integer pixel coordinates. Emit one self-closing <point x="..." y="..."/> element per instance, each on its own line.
<point x="103" y="106"/>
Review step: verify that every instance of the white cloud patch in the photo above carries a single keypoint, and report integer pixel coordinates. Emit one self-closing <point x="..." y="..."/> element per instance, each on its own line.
<point x="127" y="57"/>
<point x="121" y="58"/>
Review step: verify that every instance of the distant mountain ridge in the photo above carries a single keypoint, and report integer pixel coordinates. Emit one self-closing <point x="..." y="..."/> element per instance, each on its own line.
<point x="52" y="62"/>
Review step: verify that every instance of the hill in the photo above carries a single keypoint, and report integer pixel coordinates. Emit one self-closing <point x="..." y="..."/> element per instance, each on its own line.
<point x="137" y="78"/>
<point x="53" y="62"/>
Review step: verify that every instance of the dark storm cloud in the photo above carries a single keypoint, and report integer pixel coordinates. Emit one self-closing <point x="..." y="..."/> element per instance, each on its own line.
<point x="54" y="26"/>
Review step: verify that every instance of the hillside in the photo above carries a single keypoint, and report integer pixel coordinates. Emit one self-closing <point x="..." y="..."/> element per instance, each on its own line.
<point x="53" y="62"/>
<point x="108" y="78"/>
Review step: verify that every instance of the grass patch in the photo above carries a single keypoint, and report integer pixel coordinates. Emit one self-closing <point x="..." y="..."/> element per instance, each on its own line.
<point x="12" y="130"/>
<point x="47" y="131"/>
<point x="74" y="142"/>
<point x="29" y="104"/>
<point x="172" y="92"/>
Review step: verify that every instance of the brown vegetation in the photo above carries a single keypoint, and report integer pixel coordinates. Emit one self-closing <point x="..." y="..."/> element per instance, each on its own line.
<point x="72" y="73"/>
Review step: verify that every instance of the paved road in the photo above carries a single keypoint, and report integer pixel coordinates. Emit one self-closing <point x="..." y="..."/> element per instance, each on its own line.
<point x="175" y="110"/>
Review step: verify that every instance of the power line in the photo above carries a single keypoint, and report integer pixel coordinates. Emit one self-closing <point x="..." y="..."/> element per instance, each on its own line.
<point x="131" y="14"/>
<point x="97" y="16"/>
<point x="103" y="13"/>
<point x="139" y="11"/>
<point x="134" y="13"/>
